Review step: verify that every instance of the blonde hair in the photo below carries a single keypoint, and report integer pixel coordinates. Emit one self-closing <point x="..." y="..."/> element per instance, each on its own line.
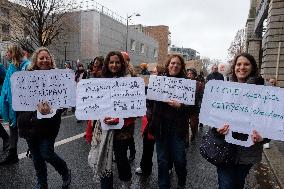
<point x="33" y="65"/>
<point x="17" y="54"/>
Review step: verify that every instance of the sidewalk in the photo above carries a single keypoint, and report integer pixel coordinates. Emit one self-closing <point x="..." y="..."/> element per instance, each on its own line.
<point x="275" y="158"/>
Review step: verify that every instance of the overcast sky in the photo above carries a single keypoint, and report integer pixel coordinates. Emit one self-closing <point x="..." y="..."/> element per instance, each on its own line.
<point x="207" y="26"/>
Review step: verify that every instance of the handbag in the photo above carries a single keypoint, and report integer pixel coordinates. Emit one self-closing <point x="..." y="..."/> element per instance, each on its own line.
<point x="216" y="150"/>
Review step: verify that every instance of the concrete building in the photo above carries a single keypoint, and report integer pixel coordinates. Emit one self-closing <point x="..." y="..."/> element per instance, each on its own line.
<point x="187" y="53"/>
<point x="162" y="35"/>
<point x="95" y="32"/>
<point x="265" y="37"/>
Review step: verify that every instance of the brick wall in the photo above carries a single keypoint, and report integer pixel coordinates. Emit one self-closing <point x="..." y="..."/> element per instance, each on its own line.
<point x="161" y="34"/>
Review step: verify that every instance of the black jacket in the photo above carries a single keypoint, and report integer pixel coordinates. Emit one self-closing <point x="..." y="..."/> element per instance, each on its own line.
<point x="30" y="127"/>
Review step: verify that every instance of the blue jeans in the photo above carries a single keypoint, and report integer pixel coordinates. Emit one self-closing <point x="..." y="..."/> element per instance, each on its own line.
<point x="232" y="177"/>
<point x="43" y="151"/>
<point x="169" y="148"/>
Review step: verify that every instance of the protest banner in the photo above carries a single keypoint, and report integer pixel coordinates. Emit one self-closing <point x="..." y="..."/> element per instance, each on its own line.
<point x="162" y="88"/>
<point x="110" y="97"/>
<point x="245" y="107"/>
<point x="55" y="86"/>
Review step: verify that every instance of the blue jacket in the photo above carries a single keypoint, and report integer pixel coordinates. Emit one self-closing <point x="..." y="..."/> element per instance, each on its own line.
<point x="7" y="113"/>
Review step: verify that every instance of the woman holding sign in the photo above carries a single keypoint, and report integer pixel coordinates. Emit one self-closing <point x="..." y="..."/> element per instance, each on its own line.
<point x="169" y="125"/>
<point x="40" y="134"/>
<point x="233" y="176"/>
<point x="118" y="140"/>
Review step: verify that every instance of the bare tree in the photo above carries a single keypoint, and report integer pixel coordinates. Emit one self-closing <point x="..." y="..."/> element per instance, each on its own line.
<point x="39" y="22"/>
<point x="238" y="45"/>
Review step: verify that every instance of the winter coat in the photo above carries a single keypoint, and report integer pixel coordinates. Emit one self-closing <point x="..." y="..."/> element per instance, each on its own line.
<point x="161" y="114"/>
<point x="8" y="114"/>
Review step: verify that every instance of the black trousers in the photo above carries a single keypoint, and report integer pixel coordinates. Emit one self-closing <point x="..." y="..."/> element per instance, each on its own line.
<point x="3" y="134"/>
<point x="123" y="166"/>
<point x="146" y="160"/>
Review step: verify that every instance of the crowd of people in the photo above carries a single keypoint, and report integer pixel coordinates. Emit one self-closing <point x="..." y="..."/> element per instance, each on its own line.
<point x="166" y="124"/>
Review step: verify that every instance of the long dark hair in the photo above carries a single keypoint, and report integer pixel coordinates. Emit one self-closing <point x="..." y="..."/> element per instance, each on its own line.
<point x="106" y="72"/>
<point x="182" y="72"/>
<point x="254" y="72"/>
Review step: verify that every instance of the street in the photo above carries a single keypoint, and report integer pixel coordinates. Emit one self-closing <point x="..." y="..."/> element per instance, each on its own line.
<point x="74" y="150"/>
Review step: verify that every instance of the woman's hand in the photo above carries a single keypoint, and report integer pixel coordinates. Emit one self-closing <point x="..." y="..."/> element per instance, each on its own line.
<point x="174" y="103"/>
<point x="223" y="130"/>
<point x="256" y="137"/>
<point x="44" y="108"/>
<point x="111" y="121"/>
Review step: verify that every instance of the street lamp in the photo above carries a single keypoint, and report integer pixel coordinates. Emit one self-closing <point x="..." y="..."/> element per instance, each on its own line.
<point x="127" y="20"/>
<point x="65" y="51"/>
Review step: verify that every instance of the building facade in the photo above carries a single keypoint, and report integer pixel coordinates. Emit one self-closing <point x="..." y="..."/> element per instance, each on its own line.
<point x="162" y="35"/>
<point x="265" y="37"/>
<point x="95" y="33"/>
<point x="187" y="53"/>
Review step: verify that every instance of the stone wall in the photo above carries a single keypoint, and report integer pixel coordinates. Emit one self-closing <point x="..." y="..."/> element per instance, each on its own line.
<point x="273" y="43"/>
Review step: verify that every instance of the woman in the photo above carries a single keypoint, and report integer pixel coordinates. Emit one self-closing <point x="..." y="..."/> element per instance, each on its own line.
<point x="17" y="62"/>
<point x="194" y="113"/>
<point x="233" y="176"/>
<point x="168" y="125"/>
<point x="148" y="140"/>
<point x="118" y="140"/>
<point x="97" y="67"/>
<point x="40" y="134"/>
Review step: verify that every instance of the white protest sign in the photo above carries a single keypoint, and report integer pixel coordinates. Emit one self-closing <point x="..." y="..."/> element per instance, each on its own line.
<point x="55" y="86"/>
<point x="110" y="97"/>
<point x="162" y="88"/>
<point x="245" y="107"/>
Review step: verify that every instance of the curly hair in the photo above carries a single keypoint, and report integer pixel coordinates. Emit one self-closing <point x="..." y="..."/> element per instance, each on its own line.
<point x="33" y="65"/>
<point x="106" y="72"/>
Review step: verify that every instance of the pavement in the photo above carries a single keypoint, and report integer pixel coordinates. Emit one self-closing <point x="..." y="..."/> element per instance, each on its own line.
<point x="275" y="159"/>
<point x="71" y="146"/>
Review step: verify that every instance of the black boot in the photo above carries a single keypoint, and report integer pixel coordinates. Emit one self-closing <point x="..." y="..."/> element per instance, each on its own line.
<point x="12" y="157"/>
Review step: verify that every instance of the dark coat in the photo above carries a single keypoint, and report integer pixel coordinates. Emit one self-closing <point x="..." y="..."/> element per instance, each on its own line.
<point x="30" y="127"/>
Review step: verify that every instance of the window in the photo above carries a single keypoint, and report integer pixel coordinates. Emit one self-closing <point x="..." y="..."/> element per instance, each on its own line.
<point x="155" y="53"/>
<point x="5" y="28"/>
<point x="4" y="12"/>
<point x="132" y="44"/>
<point x="142" y="48"/>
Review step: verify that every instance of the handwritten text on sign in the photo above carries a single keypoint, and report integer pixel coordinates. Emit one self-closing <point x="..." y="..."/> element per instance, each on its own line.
<point x="244" y="107"/>
<point x="114" y="97"/>
<point x="162" y="88"/>
<point x="57" y="87"/>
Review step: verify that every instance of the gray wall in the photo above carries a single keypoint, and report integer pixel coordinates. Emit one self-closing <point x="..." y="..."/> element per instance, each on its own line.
<point x="91" y="33"/>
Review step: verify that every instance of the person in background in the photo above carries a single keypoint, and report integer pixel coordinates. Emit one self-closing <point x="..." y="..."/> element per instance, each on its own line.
<point x="146" y="163"/>
<point x="168" y="125"/>
<point x="17" y="62"/>
<point x="130" y="70"/>
<point x="40" y="134"/>
<point x="233" y="176"/>
<point x="97" y="67"/>
<point x="80" y="73"/>
<point x="215" y="75"/>
<point x="144" y="69"/>
<point x="67" y="65"/>
<point x="130" y="67"/>
<point x="194" y="112"/>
